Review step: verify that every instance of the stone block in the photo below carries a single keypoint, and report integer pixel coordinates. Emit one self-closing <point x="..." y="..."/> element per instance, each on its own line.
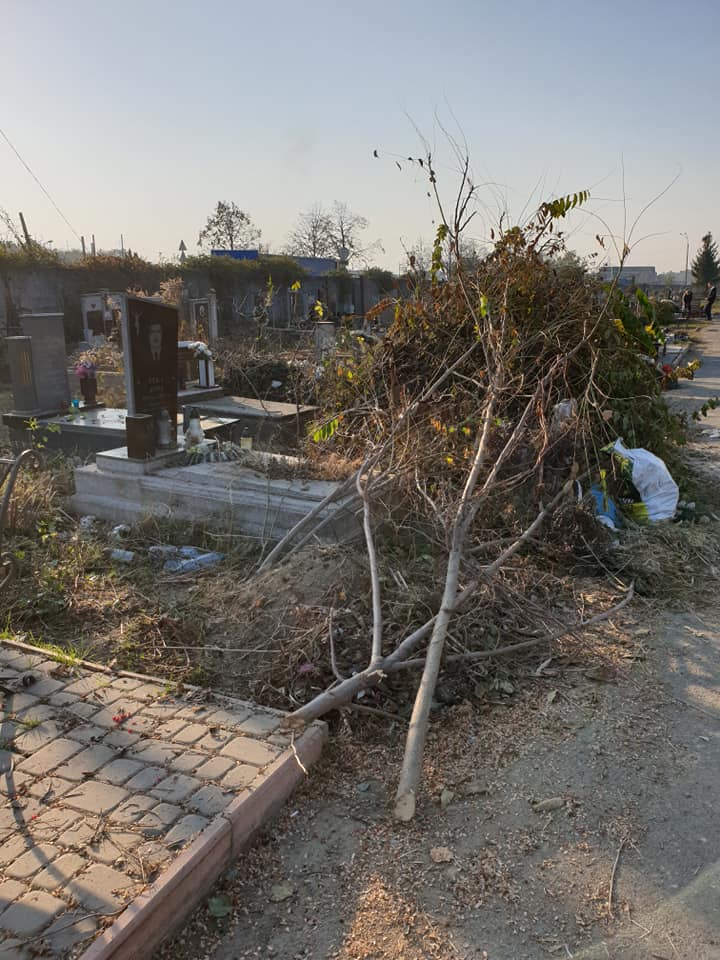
<point x="100" y="889"/>
<point x="187" y="762"/>
<point x="260" y="724"/>
<point x="87" y="684"/>
<point x="28" y="915"/>
<point x="146" y="779"/>
<point x="62" y="699"/>
<point x="215" y="769"/>
<point x="17" y="814"/>
<point x="11" y="890"/>
<point x="110" y="717"/>
<point x="16" y="702"/>
<point x="120" y="738"/>
<point x="216" y="739"/>
<point x="85" y="763"/>
<point x="156" y="752"/>
<point x="82" y="709"/>
<point x="224" y="718"/>
<point x="241" y="776"/>
<point x="50" y="756"/>
<point x="34" y="859"/>
<point x="184" y="830"/>
<point x="148" y="692"/>
<point x="34" y="714"/>
<point x="106" y="695"/>
<point x="161" y="816"/>
<point x="113" y="848"/>
<point x="58" y="873"/>
<point x="171" y="729"/>
<point x="175" y="788"/>
<point x="132" y="810"/>
<point x="34" y="740"/>
<point x="86" y="733"/>
<point x="95" y="797"/>
<point x="47" y="789"/>
<point x="54" y="821"/>
<point x="71" y="928"/>
<point x="162" y="711"/>
<point x="45" y="686"/>
<point x="250" y="751"/>
<point x="119" y="771"/>
<point x="209" y="800"/>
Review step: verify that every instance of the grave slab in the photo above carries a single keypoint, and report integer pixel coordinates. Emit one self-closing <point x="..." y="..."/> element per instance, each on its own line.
<point x="233" y="494"/>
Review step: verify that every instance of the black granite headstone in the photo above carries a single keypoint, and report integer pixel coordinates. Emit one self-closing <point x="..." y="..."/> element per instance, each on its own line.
<point x="150" y="338"/>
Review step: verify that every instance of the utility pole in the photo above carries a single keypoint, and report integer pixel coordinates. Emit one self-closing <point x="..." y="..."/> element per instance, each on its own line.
<point x="122" y="246"/>
<point x="687" y="256"/>
<point x="92" y="245"/>
<point x="28" y="241"/>
<point x="82" y="244"/>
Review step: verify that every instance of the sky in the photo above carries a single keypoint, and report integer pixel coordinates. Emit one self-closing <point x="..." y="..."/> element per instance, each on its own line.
<point x="137" y="117"/>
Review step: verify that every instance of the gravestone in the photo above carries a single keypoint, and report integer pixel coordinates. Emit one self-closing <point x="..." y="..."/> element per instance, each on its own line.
<point x="25" y="399"/>
<point x="49" y="362"/>
<point x="325" y="339"/>
<point x="150" y="349"/>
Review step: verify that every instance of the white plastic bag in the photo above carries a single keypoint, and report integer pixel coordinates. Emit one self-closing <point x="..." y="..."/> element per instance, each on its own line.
<point x="651" y="479"/>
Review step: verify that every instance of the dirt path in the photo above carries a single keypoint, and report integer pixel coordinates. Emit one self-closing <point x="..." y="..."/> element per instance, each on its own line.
<point x="620" y="859"/>
<point x="631" y="763"/>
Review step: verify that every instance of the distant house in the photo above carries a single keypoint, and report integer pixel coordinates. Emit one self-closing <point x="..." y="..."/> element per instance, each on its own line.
<point x="631" y="276"/>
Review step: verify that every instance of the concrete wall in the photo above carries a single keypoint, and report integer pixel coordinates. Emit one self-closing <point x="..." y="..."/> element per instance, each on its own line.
<point x="45" y="289"/>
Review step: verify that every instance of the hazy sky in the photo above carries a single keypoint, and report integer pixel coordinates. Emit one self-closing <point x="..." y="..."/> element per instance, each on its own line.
<point x="138" y="116"/>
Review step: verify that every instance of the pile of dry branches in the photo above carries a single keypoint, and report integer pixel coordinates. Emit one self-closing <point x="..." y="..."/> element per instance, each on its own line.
<point x="475" y="418"/>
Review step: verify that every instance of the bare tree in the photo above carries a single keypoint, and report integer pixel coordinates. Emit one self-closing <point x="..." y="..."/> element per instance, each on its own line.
<point x="229" y="228"/>
<point x="312" y="234"/>
<point x="333" y="233"/>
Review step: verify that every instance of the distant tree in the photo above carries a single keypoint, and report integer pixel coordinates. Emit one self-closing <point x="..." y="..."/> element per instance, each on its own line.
<point x="229" y="228"/>
<point x="331" y="233"/>
<point x="312" y="234"/>
<point x="706" y="266"/>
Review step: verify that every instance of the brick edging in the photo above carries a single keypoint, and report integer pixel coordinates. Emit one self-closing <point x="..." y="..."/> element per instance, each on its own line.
<point x="156" y="913"/>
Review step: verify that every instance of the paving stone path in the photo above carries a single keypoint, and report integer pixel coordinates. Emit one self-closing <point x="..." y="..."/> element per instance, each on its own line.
<point x="105" y="778"/>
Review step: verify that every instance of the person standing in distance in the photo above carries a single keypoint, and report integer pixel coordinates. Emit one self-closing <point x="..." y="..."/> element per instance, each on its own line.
<point x="710" y="300"/>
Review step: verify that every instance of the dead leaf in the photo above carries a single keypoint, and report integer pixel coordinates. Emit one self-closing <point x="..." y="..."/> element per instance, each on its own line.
<point x="551" y="697"/>
<point x="600" y="674"/>
<point x="441" y="855"/>
<point x="474" y="787"/>
<point x="280" y="892"/>
<point x="446" y="797"/>
<point x="552" y="803"/>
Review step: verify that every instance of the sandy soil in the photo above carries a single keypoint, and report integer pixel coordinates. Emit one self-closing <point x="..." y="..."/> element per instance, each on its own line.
<point x="513" y="853"/>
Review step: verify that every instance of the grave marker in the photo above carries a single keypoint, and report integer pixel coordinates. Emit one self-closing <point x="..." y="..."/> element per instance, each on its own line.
<point x="25" y="399"/>
<point x="49" y="362"/>
<point x="150" y="347"/>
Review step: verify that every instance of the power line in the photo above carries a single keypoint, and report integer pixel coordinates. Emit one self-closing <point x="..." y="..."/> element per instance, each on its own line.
<point x="37" y="181"/>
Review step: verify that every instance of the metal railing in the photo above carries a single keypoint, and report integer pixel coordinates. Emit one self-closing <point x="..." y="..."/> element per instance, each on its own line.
<point x="9" y="469"/>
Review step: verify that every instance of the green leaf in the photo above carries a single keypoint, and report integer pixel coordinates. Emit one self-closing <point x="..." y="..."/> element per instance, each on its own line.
<point x="220" y="906"/>
<point x="325" y="431"/>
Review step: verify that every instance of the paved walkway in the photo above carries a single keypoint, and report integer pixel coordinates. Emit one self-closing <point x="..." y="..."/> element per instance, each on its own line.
<point x="109" y="781"/>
